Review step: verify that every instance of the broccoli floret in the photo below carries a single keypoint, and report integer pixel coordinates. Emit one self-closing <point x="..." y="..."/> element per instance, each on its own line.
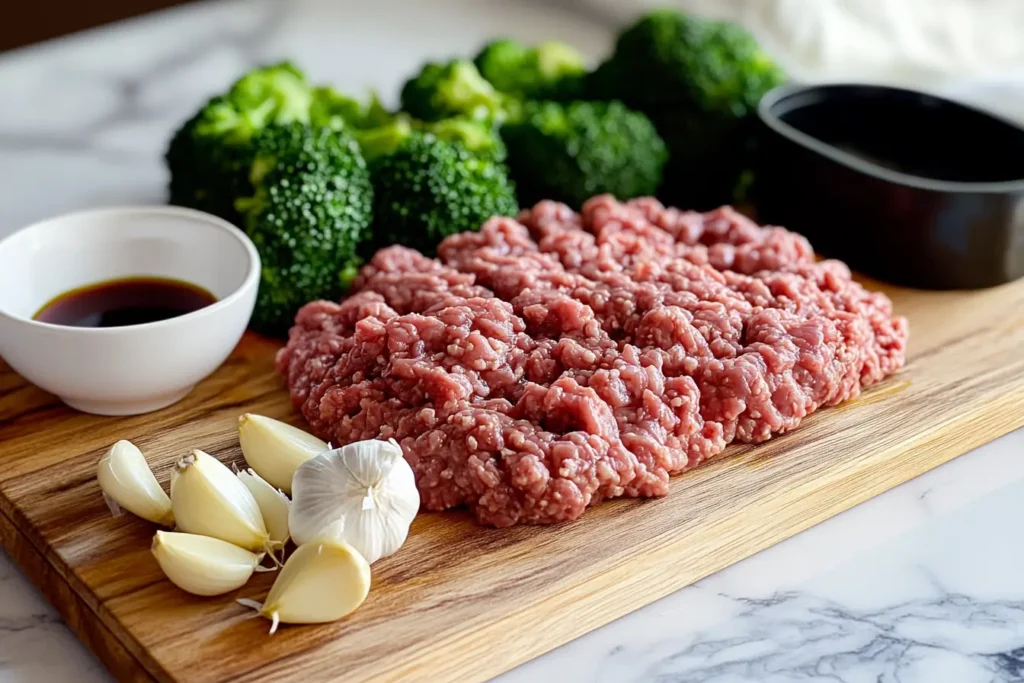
<point x="311" y="208"/>
<point x="336" y="110"/>
<point x="549" y="70"/>
<point x="456" y="88"/>
<point x="377" y="130"/>
<point x="274" y="94"/>
<point x="431" y="188"/>
<point x="210" y="155"/>
<point x="384" y="139"/>
<point x="332" y="109"/>
<point x="477" y="137"/>
<point x="700" y="82"/>
<point x="572" y="152"/>
<point x="669" y="57"/>
<point x="206" y="173"/>
<point x="380" y="132"/>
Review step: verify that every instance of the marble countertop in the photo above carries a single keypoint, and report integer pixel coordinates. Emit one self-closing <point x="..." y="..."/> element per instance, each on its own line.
<point x="922" y="584"/>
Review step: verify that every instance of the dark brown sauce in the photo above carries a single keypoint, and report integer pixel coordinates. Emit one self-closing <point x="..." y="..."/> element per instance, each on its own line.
<point x="123" y="302"/>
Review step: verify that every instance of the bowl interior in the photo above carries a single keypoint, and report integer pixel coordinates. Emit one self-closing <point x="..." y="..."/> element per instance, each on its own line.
<point x="60" y="254"/>
<point x="907" y="132"/>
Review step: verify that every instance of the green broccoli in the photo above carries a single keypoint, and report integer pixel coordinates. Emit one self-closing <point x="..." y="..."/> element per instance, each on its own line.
<point x="549" y="70"/>
<point x="456" y="88"/>
<point x="377" y="130"/>
<point x="209" y="156"/>
<point x="206" y="173"/>
<point x="335" y="110"/>
<point x="572" y="152"/>
<point x="311" y="207"/>
<point x="430" y="188"/>
<point x="478" y="137"/>
<point x="385" y="139"/>
<point x="699" y="81"/>
<point x="380" y="132"/>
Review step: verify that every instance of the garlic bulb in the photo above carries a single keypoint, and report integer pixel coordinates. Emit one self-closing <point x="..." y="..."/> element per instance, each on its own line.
<point x="276" y="449"/>
<point x="203" y="565"/>
<point x="322" y="581"/>
<point x="208" y="499"/>
<point x="125" y="478"/>
<point x="273" y="504"/>
<point x="363" y="493"/>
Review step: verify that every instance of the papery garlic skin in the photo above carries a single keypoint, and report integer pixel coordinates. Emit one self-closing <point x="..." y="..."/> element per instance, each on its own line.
<point x="322" y="581"/>
<point x="203" y="565"/>
<point x="125" y="477"/>
<point x="208" y="499"/>
<point x="275" y="449"/>
<point x="273" y="504"/>
<point x="364" y="494"/>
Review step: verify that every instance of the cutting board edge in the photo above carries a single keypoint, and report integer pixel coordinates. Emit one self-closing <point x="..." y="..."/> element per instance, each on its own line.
<point x="476" y="671"/>
<point x="108" y="642"/>
<point x="88" y="627"/>
<point x="871" y="468"/>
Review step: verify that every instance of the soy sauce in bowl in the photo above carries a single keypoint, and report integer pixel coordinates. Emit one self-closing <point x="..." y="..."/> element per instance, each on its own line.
<point x="124" y="302"/>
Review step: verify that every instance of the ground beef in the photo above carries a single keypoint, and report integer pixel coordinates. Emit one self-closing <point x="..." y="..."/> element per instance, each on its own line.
<point x="543" y="364"/>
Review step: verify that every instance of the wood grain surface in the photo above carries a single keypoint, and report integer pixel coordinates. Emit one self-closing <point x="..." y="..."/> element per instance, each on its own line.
<point x="460" y="602"/>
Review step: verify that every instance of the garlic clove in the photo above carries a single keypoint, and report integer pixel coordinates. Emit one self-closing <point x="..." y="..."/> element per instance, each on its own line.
<point x="273" y="504"/>
<point x="364" y="494"/>
<point x="322" y="581"/>
<point x="125" y="477"/>
<point x="208" y="499"/>
<point x="203" y="565"/>
<point x="275" y="449"/>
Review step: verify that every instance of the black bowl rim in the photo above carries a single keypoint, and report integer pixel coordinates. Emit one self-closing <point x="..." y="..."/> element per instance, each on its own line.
<point x="779" y="93"/>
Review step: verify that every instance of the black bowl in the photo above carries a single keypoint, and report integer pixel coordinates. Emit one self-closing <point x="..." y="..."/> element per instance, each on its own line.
<point x="905" y="187"/>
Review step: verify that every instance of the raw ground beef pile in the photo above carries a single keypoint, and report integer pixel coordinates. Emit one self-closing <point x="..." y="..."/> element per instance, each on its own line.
<point x="543" y="364"/>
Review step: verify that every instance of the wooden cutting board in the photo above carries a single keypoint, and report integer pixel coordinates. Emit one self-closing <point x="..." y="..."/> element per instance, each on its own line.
<point x="460" y="602"/>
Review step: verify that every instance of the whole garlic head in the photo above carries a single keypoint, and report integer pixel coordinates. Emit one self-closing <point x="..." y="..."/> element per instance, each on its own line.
<point x="363" y="493"/>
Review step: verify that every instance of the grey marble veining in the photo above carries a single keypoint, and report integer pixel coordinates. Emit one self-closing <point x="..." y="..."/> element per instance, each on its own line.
<point x="35" y="645"/>
<point x="920" y="585"/>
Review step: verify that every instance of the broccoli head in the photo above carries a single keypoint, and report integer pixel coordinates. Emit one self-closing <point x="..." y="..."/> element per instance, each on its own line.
<point x="572" y="152"/>
<point x="311" y="207"/>
<point x="377" y="130"/>
<point x="480" y="138"/>
<point x="206" y="173"/>
<point x="549" y="70"/>
<point x="210" y="155"/>
<point x="430" y="188"/>
<point x="700" y="82"/>
<point x="380" y="132"/>
<point x="272" y="94"/>
<point x="477" y="137"/>
<point x="385" y="139"/>
<point x="456" y="88"/>
<point x="336" y="110"/>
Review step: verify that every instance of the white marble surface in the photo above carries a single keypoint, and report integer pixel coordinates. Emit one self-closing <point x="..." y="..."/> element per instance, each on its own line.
<point x="924" y="584"/>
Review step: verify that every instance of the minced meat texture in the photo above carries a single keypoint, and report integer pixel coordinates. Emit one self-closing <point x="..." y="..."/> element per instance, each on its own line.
<point x="543" y="364"/>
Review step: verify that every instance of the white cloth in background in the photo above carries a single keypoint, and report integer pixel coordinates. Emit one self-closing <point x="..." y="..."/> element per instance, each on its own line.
<point x="972" y="49"/>
<point x="898" y="41"/>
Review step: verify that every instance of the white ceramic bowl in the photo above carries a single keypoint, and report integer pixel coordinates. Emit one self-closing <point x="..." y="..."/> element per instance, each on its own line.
<point x="133" y="369"/>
